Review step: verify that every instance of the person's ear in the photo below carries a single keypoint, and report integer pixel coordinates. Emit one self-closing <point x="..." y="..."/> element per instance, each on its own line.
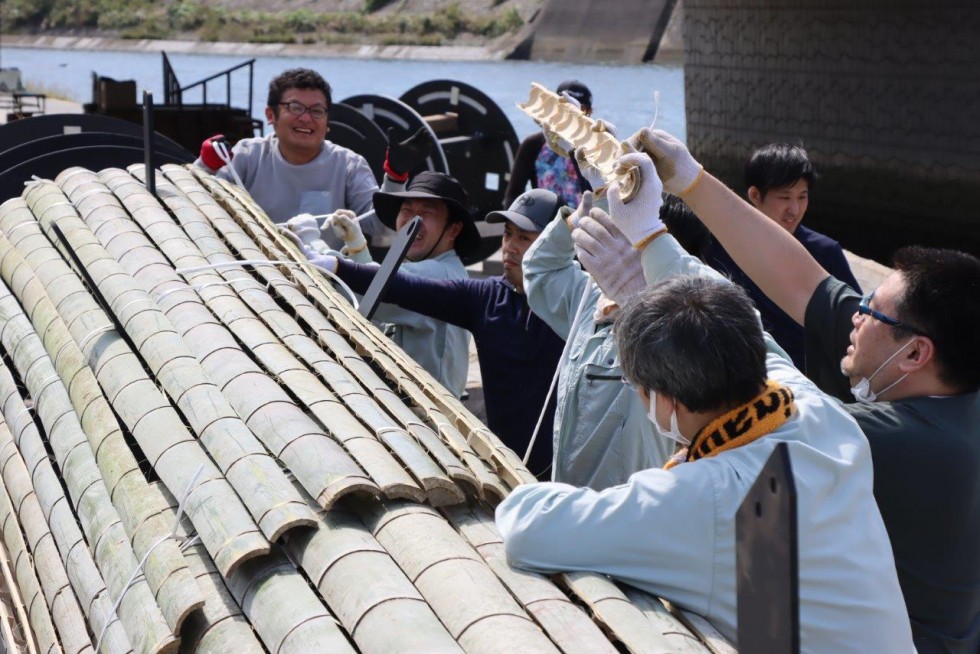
<point x="920" y="354"/>
<point x="755" y="196"/>
<point x="454" y="230"/>
<point x="270" y="116"/>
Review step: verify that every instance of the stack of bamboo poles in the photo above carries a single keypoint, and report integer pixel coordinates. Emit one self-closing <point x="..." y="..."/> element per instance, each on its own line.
<point x="203" y="447"/>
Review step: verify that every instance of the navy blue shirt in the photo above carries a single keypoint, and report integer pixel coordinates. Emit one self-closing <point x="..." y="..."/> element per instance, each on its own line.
<point x="787" y="332"/>
<point x="518" y="352"/>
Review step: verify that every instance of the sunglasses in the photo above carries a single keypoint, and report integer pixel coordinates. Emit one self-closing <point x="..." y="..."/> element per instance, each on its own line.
<point x="864" y="308"/>
<point x="298" y="109"/>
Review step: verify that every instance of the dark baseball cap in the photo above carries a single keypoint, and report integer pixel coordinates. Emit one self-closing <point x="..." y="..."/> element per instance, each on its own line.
<point x="531" y="211"/>
<point x="439" y="186"/>
<point x="577" y="90"/>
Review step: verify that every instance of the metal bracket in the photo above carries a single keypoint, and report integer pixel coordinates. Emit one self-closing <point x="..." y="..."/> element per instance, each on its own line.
<point x="767" y="561"/>
<point x="396" y="254"/>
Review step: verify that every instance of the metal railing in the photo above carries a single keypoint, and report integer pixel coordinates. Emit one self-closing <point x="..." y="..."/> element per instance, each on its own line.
<point x="173" y="92"/>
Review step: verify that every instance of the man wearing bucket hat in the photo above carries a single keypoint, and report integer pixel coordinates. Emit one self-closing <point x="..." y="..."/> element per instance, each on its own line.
<point x="447" y="232"/>
<point x="518" y="352"/>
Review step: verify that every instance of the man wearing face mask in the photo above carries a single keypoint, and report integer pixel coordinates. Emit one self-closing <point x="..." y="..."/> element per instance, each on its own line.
<point x="908" y="352"/>
<point x="693" y="347"/>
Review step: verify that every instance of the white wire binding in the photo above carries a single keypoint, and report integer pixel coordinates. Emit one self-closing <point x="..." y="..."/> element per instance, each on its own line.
<point x="139" y="566"/>
<point x="221" y="149"/>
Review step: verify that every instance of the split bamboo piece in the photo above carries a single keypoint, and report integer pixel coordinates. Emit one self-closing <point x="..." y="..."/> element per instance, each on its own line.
<point x="254" y="474"/>
<point x="712" y="638"/>
<point x="371" y="343"/>
<point x="599" y="147"/>
<point x="445" y="569"/>
<point x="37" y="556"/>
<point x="440" y="489"/>
<point x="37" y="477"/>
<point x="141" y="617"/>
<point x="564" y="622"/>
<point x="221" y="626"/>
<point x="165" y="570"/>
<point x="330" y="408"/>
<point x="41" y="635"/>
<point x="682" y="641"/>
<point x="240" y="320"/>
<point x="171" y="449"/>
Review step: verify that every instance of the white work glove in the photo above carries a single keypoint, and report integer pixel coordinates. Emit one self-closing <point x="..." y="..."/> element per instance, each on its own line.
<point x="325" y="261"/>
<point x="305" y="227"/>
<point x="583" y="209"/>
<point x="295" y="239"/>
<point x="678" y="170"/>
<point x="608" y="256"/>
<point x="587" y="170"/>
<point x="343" y="222"/>
<point x="638" y="219"/>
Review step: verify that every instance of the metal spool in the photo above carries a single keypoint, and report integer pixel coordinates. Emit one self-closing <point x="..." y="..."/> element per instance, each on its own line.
<point x="353" y="130"/>
<point x="479" y="144"/>
<point x="38" y="127"/>
<point x="388" y="112"/>
<point x="51" y="164"/>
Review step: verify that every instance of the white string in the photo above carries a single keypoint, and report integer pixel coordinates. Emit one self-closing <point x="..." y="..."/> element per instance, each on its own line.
<point x="561" y="362"/>
<point x="98" y="331"/>
<point x="254" y="262"/>
<point x="656" y="108"/>
<point x="221" y="149"/>
<point x="142" y="562"/>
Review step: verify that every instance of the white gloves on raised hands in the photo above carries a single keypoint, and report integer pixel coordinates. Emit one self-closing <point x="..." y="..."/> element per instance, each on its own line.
<point x="295" y="239"/>
<point x="608" y="256"/>
<point x="325" y="261"/>
<point x="343" y="222"/>
<point x="678" y="170"/>
<point x="305" y="227"/>
<point x="583" y="209"/>
<point x="638" y="219"/>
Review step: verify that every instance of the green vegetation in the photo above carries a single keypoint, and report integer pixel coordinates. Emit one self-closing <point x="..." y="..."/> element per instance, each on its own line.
<point x="195" y="19"/>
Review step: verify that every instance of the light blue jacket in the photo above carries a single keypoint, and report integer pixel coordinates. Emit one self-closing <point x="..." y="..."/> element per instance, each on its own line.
<point x="601" y="432"/>
<point x="440" y="348"/>
<point x="672" y="532"/>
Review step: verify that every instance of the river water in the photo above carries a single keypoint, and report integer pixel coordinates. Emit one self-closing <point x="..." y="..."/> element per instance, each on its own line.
<point x="624" y="95"/>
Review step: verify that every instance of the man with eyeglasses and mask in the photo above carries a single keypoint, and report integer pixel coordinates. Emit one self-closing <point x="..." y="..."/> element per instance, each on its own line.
<point x="908" y="352"/>
<point x="295" y="170"/>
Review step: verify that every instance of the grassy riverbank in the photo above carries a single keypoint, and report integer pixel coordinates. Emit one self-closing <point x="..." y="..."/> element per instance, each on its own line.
<point x="369" y="22"/>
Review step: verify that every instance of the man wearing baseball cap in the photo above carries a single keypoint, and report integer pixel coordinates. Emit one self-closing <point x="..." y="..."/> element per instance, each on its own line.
<point x="518" y="352"/>
<point x="537" y="163"/>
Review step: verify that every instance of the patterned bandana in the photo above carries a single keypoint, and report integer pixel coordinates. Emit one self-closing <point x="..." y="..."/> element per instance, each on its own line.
<point x="761" y="415"/>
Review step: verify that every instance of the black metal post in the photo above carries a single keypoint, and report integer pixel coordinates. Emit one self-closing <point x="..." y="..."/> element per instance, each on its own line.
<point x="767" y="561"/>
<point x="148" y="145"/>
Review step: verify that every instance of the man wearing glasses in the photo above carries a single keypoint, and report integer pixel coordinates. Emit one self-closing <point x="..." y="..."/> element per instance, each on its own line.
<point x="295" y="170"/>
<point x="910" y="356"/>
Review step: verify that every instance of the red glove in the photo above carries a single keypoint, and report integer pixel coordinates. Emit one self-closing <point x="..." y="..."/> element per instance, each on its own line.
<point x="209" y="157"/>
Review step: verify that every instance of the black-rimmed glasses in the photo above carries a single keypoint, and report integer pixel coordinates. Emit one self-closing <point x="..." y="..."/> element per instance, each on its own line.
<point x="864" y="308"/>
<point x="298" y="109"/>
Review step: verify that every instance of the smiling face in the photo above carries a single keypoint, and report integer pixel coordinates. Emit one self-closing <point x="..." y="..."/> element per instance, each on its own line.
<point x="300" y="137"/>
<point x="437" y="235"/>
<point x="515" y="244"/>
<point x="785" y="205"/>
<point x="872" y="341"/>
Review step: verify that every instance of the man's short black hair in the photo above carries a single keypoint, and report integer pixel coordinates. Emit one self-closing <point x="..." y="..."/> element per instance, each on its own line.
<point x="942" y="299"/>
<point x="295" y="78"/>
<point x="695" y="339"/>
<point x="778" y="165"/>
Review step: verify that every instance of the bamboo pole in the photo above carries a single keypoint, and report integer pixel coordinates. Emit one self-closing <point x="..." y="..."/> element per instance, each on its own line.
<point x="40" y="479"/>
<point x="682" y="641"/>
<point x="330" y="408"/>
<point x="165" y="570"/>
<point x="456" y="582"/>
<point x="711" y="637"/>
<point x="170" y="448"/>
<point x="343" y="352"/>
<point x="566" y="624"/>
<point x="249" y="468"/>
<point x="624" y="621"/>
<point x="35" y="626"/>
<point x="141" y="617"/>
<point x="37" y="555"/>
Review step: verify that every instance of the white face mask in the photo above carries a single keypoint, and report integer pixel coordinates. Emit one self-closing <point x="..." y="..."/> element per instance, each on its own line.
<point x="674" y="433"/>
<point x="862" y="390"/>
